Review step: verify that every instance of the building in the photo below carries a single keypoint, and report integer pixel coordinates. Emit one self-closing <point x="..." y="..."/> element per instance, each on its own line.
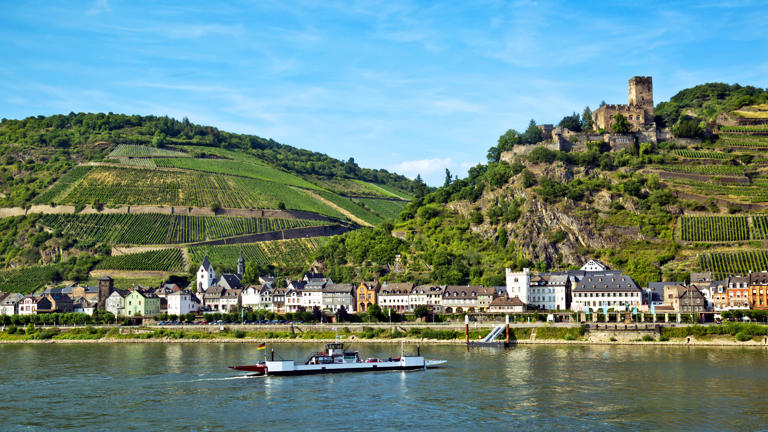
<point x="182" y="303"/>
<point x="251" y="297"/>
<point x="293" y="300"/>
<point x="311" y="294"/>
<point x="205" y="276"/>
<point x="654" y="294"/>
<point x="684" y="299"/>
<point x="430" y="296"/>
<point x="594" y="265"/>
<point x="105" y="287"/>
<point x="460" y="299"/>
<point x="85" y="306"/>
<point x="758" y="290"/>
<point x="506" y="305"/>
<point x="278" y="300"/>
<point x="486" y="295"/>
<point x="367" y="295"/>
<point x="519" y="284"/>
<point x="142" y="303"/>
<point x="59" y="303"/>
<point x="738" y="293"/>
<point x="10" y="304"/>
<point x="639" y="111"/>
<point x="115" y="303"/>
<point x="336" y="296"/>
<point x="265" y="301"/>
<point x="550" y="291"/>
<point x="395" y="296"/>
<point x="220" y="299"/>
<point x="612" y="290"/>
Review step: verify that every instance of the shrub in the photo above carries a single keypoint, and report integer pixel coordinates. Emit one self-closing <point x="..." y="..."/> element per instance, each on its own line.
<point x="743" y="337"/>
<point x="648" y="338"/>
<point x="12" y="329"/>
<point x="239" y="334"/>
<point x="663" y="338"/>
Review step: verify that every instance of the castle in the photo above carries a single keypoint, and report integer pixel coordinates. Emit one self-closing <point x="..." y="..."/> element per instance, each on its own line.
<point x="639" y="111"/>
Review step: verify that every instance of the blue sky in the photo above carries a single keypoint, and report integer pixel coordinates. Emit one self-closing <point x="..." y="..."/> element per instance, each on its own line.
<point x="414" y="87"/>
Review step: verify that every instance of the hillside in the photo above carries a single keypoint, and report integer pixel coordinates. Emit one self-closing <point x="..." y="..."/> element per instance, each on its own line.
<point x="79" y="188"/>
<point x="655" y="210"/>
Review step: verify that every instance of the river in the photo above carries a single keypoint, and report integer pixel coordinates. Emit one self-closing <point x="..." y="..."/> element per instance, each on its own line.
<point x="181" y="387"/>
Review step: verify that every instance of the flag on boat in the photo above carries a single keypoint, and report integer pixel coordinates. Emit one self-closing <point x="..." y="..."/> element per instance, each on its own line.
<point x="262" y="346"/>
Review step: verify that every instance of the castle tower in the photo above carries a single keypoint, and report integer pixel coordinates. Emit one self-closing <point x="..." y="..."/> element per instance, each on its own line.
<point x="241" y="265"/>
<point x="106" y="286"/>
<point x="641" y="91"/>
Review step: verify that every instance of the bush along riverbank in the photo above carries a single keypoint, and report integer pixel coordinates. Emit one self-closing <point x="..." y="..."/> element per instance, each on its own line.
<point x="729" y="334"/>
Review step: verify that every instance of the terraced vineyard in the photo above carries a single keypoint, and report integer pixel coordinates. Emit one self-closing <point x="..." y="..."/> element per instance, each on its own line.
<point x="59" y="189"/>
<point x="162" y="260"/>
<point x="352" y="207"/>
<point x="237" y="168"/>
<point x="127" y="186"/>
<point x="729" y="140"/>
<point x="295" y="253"/>
<point x="163" y="229"/>
<point x="714" y="228"/>
<point x="697" y="154"/>
<point x="263" y="170"/>
<point x="760" y="227"/>
<point x="28" y="279"/>
<point x="757" y="192"/>
<point x="745" y="129"/>
<point x="724" y="264"/>
<point x="384" y="208"/>
<point x="139" y="151"/>
<point x="704" y="169"/>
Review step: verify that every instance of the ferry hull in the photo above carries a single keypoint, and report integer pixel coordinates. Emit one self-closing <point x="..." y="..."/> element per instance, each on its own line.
<point x="282" y="368"/>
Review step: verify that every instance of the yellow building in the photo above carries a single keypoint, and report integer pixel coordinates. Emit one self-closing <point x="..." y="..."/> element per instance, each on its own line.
<point x="367" y="295"/>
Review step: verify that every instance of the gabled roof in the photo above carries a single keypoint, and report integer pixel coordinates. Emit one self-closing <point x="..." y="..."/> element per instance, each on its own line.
<point x="607" y="282"/>
<point x="396" y="289"/>
<point x="12" y="299"/>
<point x="461" y="291"/>
<point x="206" y="264"/>
<point x="507" y="301"/>
<point x="758" y="278"/>
<point x="342" y="288"/>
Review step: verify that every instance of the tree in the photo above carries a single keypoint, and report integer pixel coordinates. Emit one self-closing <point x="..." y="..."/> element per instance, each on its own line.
<point x="421" y="188"/>
<point x="620" y="124"/>
<point x="341" y="314"/>
<point x="158" y="140"/>
<point x="571" y="122"/>
<point x="532" y="135"/>
<point x="448" y="178"/>
<point x="586" y="119"/>
<point x="421" y="311"/>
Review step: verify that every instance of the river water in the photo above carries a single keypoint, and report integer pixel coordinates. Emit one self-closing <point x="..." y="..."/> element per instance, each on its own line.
<point x="181" y="387"/>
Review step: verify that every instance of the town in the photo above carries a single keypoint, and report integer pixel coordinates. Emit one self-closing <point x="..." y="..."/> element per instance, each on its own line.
<point x="580" y="295"/>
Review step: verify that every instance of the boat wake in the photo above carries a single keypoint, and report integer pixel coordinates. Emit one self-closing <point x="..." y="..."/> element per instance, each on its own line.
<point x="228" y="378"/>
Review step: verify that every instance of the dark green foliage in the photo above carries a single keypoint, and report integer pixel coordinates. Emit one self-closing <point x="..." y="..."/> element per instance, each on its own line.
<point x="687" y="128"/>
<point x="708" y="100"/>
<point x="532" y="135"/>
<point x="620" y="124"/>
<point x="572" y="122"/>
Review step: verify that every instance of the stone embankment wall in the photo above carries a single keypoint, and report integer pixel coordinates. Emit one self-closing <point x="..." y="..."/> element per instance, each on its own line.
<point x="186" y="211"/>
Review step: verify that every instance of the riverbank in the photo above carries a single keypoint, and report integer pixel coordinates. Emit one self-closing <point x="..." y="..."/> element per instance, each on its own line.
<point x="723" y="343"/>
<point x="736" y="335"/>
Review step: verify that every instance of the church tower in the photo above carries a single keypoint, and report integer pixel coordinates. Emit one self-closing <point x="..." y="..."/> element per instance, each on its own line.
<point x="205" y="276"/>
<point x="241" y="265"/>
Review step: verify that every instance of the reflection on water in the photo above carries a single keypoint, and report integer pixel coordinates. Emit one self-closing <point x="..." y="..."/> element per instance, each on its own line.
<point x="187" y="386"/>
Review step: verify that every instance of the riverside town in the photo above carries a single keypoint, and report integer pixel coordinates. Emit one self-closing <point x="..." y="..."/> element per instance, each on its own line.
<point x="592" y="294"/>
<point x="383" y="215"/>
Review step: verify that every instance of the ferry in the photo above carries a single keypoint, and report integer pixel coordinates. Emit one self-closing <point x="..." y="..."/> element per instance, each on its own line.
<point x="336" y="359"/>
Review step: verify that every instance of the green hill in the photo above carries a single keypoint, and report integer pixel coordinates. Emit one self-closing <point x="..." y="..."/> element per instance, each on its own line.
<point x="656" y="211"/>
<point x="81" y="184"/>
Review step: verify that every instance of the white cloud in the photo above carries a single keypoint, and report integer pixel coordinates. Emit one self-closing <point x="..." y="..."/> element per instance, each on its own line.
<point x="423" y="166"/>
<point x="99" y="7"/>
